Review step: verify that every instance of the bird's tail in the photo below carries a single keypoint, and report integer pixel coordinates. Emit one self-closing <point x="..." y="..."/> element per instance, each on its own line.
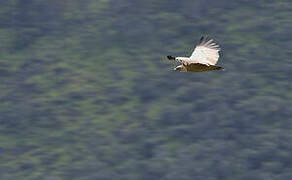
<point x="218" y="68"/>
<point x="171" y="57"/>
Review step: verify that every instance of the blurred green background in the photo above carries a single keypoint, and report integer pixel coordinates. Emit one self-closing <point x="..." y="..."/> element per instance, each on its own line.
<point x="86" y="91"/>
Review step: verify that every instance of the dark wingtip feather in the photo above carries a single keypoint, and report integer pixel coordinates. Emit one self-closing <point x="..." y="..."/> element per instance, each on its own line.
<point x="201" y="40"/>
<point x="208" y="42"/>
<point x="204" y="39"/>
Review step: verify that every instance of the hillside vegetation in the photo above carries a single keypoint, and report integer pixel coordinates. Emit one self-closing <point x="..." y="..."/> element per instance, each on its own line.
<point x="87" y="93"/>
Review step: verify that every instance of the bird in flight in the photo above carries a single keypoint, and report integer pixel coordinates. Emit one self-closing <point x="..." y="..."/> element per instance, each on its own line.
<point x="204" y="57"/>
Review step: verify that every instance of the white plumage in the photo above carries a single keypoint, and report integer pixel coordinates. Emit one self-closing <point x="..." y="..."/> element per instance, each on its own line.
<point x="203" y="58"/>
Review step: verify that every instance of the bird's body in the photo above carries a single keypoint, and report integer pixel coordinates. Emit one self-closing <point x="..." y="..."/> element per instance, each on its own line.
<point x="196" y="67"/>
<point x="204" y="57"/>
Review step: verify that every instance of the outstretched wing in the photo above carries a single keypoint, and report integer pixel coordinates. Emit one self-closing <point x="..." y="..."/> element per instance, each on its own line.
<point x="206" y="52"/>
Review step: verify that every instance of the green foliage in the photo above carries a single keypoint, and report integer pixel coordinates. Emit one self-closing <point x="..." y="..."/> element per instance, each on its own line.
<point x="86" y="92"/>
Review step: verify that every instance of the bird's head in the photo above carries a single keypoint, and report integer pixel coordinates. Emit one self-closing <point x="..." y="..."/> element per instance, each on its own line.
<point x="170" y="58"/>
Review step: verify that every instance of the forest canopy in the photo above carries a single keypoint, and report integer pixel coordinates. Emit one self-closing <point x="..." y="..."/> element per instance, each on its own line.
<point x="87" y="93"/>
